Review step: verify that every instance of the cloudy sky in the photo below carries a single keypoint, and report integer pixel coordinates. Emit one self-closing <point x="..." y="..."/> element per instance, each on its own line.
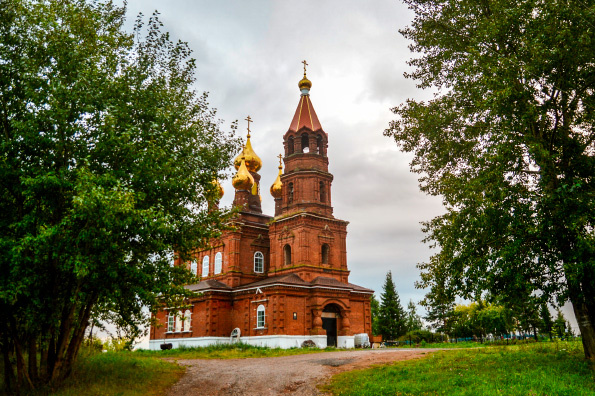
<point x="249" y="57"/>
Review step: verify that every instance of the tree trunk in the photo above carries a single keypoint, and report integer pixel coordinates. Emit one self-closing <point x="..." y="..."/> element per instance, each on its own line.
<point x="586" y="320"/>
<point x="32" y="359"/>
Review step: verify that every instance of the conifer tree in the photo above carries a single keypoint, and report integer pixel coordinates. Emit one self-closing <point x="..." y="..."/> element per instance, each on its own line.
<point x="392" y="315"/>
<point x="413" y="321"/>
<point x="375" y="313"/>
<point x="546" y="320"/>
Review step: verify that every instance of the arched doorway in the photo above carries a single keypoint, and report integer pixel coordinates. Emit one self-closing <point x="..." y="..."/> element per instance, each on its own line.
<point x="330" y="314"/>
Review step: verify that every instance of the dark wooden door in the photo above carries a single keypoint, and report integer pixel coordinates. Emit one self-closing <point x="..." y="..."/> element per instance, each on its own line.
<point x="330" y="325"/>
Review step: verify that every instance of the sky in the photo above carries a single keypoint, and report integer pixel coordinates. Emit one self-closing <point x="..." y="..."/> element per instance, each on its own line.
<point x="248" y="56"/>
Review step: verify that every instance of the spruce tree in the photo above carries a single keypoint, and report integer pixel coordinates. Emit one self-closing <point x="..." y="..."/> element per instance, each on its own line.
<point x="391" y="321"/>
<point x="375" y="313"/>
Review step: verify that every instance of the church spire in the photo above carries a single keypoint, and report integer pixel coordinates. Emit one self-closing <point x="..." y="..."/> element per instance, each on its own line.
<point x="305" y="116"/>
<point x="253" y="161"/>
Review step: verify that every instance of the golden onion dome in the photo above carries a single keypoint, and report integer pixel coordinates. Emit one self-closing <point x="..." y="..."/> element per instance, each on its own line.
<point x="253" y="161"/>
<point x="276" y="188"/>
<point x="218" y="187"/>
<point x="305" y="85"/>
<point x="242" y="180"/>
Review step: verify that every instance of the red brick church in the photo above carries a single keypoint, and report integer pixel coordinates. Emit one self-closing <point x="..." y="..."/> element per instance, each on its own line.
<point x="277" y="281"/>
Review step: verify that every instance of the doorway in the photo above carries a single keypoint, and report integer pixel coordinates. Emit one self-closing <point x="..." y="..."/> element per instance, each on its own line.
<point x="330" y="313"/>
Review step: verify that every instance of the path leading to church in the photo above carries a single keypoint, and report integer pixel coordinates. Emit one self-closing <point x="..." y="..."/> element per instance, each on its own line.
<point x="287" y="375"/>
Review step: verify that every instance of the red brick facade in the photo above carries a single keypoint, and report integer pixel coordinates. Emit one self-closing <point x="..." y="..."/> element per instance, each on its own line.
<point x="280" y="280"/>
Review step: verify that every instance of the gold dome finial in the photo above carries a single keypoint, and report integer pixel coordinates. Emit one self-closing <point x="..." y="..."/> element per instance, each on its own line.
<point x="242" y="180"/>
<point x="276" y="188"/>
<point x="253" y="161"/>
<point x="220" y="190"/>
<point x="304" y="83"/>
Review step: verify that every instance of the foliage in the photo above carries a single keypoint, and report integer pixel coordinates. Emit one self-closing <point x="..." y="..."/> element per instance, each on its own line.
<point x="375" y="313"/>
<point x="107" y="158"/>
<point x="546" y="323"/>
<point x="533" y="369"/>
<point x="391" y="321"/>
<point x="508" y="141"/>
<point x="412" y="319"/>
<point x="419" y="335"/>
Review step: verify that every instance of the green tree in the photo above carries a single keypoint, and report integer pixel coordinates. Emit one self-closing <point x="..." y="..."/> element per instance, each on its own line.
<point x="412" y="320"/>
<point x="546" y="323"/>
<point x="508" y="141"/>
<point x="560" y="324"/>
<point x="375" y="313"/>
<point x="391" y="321"/>
<point x="107" y="158"/>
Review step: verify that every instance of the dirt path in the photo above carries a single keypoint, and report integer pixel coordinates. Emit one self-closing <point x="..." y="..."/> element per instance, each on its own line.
<point x="287" y="375"/>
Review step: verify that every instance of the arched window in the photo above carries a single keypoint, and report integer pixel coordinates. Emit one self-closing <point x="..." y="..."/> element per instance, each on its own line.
<point x="218" y="263"/>
<point x="287" y="254"/>
<point x="205" y="266"/>
<point x="319" y="145"/>
<point x="171" y="318"/>
<point x="324" y="253"/>
<point x="179" y="322"/>
<point x="290" y="148"/>
<point x="322" y="192"/>
<point x="194" y="267"/>
<point x="260" y="317"/>
<point x="305" y="143"/>
<point x="258" y="262"/>
<point x="187" y="320"/>
<point x="290" y="193"/>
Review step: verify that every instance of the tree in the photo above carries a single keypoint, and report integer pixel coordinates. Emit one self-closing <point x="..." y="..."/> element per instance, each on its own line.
<point x="412" y="319"/>
<point x="391" y="321"/>
<point x="508" y="141"/>
<point x="375" y="313"/>
<point x="560" y="324"/>
<point x="546" y="322"/>
<point x="107" y="158"/>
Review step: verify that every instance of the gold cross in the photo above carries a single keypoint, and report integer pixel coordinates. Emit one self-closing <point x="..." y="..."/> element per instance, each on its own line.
<point x="280" y="158"/>
<point x="305" y="64"/>
<point x="249" y="121"/>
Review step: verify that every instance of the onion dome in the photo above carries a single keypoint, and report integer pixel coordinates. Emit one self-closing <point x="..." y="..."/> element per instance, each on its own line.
<point x="305" y="85"/>
<point x="242" y="180"/>
<point x="253" y="161"/>
<point x="276" y="188"/>
<point x="218" y="187"/>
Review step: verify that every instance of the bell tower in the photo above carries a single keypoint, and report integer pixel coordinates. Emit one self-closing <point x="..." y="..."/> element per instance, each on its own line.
<point x="305" y="236"/>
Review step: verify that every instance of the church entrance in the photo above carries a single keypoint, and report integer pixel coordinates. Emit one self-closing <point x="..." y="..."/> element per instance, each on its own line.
<point x="330" y="313"/>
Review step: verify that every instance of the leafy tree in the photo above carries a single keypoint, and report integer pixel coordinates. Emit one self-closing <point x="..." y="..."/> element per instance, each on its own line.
<point x="375" y="313"/>
<point x="546" y="323"/>
<point x="508" y="141"/>
<point x="107" y="158"/>
<point x="413" y="320"/>
<point x="560" y="324"/>
<point x="391" y="321"/>
<point x="439" y="307"/>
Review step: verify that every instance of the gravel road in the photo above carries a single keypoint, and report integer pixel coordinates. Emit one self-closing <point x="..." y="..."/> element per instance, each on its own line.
<point x="287" y="375"/>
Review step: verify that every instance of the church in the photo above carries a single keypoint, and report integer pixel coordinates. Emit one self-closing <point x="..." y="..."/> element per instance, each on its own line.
<point x="277" y="280"/>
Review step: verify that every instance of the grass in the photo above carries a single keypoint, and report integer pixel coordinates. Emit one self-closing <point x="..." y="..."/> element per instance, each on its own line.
<point x="226" y="351"/>
<point x="449" y="345"/>
<point x="531" y="369"/>
<point x="116" y="374"/>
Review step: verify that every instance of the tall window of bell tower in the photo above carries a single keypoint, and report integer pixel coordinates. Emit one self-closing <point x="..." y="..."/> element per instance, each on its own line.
<point x="305" y="143"/>
<point x="290" y="193"/>
<point x="319" y="145"/>
<point x="322" y="192"/>
<point x="287" y="254"/>
<point x="290" y="146"/>
<point x="324" y="253"/>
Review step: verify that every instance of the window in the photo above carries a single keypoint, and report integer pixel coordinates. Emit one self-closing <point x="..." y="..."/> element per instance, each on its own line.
<point x="290" y="146"/>
<point x="218" y="262"/>
<point x="194" y="267"/>
<point x="287" y="254"/>
<point x="187" y="320"/>
<point x="258" y="262"/>
<point x="322" y="192"/>
<point x="179" y="322"/>
<point x="290" y="193"/>
<point x="205" y="266"/>
<point x="260" y="317"/>
<point x="325" y="250"/>
<point x="305" y="143"/>
<point x="170" y="322"/>
<point x="319" y="145"/>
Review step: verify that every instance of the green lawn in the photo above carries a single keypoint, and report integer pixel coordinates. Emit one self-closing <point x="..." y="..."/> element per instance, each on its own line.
<point x="533" y="369"/>
<point x="226" y="351"/>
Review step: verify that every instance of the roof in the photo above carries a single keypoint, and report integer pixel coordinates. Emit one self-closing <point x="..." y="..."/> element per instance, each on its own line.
<point x="305" y="116"/>
<point x="209" y="284"/>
